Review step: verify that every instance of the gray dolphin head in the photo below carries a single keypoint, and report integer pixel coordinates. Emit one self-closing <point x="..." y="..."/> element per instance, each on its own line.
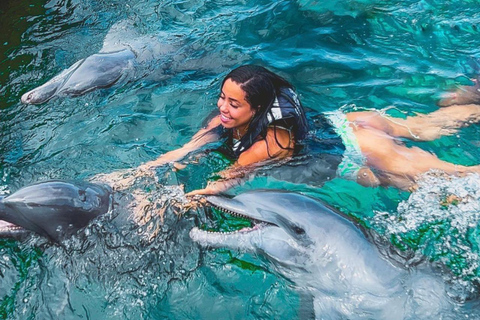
<point x="285" y="224"/>
<point x="54" y="209"/>
<point x="273" y="210"/>
<point x="100" y="70"/>
<point x="325" y="255"/>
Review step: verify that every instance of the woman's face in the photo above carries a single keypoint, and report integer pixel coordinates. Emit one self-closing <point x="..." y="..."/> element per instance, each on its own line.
<point x="235" y="111"/>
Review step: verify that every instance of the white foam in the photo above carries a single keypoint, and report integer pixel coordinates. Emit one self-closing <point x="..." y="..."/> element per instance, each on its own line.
<point x="449" y="209"/>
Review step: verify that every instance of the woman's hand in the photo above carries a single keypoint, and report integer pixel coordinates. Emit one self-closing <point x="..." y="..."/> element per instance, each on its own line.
<point x="151" y="165"/>
<point x="215" y="187"/>
<point x="206" y="191"/>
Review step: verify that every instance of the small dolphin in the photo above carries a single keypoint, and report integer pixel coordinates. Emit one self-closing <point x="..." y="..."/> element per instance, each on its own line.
<point x="100" y="70"/>
<point x="125" y="55"/>
<point x="53" y="209"/>
<point x="327" y="257"/>
<point x="128" y="55"/>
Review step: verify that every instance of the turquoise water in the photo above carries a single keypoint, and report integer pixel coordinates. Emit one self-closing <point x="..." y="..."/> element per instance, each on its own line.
<point x="372" y="54"/>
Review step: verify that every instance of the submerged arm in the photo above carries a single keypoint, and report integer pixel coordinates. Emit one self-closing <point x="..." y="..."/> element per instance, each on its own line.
<point x="201" y="138"/>
<point x="125" y="178"/>
<point x="277" y="145"/>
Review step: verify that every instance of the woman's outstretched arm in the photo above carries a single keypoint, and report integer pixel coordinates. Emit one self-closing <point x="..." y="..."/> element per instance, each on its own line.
<point x="201" y="138"/>
<point x="277" y="145"/>
<point x="123" y="179"/>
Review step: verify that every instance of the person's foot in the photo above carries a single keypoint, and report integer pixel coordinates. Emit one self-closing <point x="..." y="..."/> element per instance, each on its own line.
<point x="463" y="95"/>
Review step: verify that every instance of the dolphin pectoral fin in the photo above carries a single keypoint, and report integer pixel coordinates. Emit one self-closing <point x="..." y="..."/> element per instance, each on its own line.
<point x="11" y="231"/>
<point x="49" y="89"/>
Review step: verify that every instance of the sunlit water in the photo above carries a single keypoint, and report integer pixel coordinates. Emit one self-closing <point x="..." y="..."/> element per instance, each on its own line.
<point x="371" y="54"/>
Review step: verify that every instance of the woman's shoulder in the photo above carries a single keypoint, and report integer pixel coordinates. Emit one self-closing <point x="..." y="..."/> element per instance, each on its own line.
<point x="280" y="135"/>
<point x="278" y="144"/>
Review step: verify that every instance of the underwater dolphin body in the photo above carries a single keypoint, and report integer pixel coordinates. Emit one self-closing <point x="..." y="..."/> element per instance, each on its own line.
<point x="125" y="55"/>
<point x="53" y="209"/>
<point x="327" y="257"/>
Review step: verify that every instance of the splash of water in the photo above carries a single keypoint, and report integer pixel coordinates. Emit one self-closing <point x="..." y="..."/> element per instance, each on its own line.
<point x="440" y="219"/>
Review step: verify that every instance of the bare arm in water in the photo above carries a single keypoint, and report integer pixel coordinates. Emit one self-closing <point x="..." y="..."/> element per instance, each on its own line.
<point x="201" y="138"/>
<point x="272" y="148"/>
<point x="123" y="179"/>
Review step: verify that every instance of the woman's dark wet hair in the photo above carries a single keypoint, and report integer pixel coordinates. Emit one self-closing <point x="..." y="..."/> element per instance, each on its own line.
<point x="261" y="87"/>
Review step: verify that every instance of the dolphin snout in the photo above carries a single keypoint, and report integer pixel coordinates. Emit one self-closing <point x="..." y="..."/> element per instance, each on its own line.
<point x="40" y="94"/>
<point x="36" y="97"/>
<point x="49" y="89"/>
<point x="27" y="97"/>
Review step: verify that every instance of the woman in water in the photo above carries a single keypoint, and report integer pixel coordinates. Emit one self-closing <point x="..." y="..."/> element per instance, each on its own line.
<point x="262" y="120"/>
<point x="260" y="117"/>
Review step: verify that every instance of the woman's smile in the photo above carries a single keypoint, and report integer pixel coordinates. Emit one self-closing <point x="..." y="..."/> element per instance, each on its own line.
<point x="235" y="111"/>
<point x="224" y="118"/>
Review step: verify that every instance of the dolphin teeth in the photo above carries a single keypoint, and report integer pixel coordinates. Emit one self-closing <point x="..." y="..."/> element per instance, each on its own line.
<point x="233" y="213"/>
<point x="239" y="215"/>
<point x="10" y="228"/>
<point x="256" y="223"/>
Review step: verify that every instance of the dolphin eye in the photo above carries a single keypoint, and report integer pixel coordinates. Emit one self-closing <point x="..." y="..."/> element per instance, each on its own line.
<point x="82" y="195"/>
<point x="298" y="230"/>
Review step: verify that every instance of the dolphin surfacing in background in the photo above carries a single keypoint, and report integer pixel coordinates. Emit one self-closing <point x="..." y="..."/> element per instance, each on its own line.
<point x="327" y="257"/>
<point x="100" y="70"/>
<point x="125" y="55"/>
<point x="53" y="209"/>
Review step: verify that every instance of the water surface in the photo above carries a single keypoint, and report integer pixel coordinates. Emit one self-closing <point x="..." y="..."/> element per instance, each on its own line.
<point x="368" y="54"/>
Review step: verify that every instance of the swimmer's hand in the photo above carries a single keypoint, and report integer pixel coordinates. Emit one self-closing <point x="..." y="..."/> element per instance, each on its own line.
<point x="124" y="179"/>
<point x="215" y="187"/>
<point x="204" y="192"/>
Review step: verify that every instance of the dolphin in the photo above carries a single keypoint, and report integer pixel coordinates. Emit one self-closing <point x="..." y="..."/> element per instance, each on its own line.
<point x="128" y="55"/>
<point x="54" y="209"/>
<point x="125" y="55"/>
<point x="327" y="257"/>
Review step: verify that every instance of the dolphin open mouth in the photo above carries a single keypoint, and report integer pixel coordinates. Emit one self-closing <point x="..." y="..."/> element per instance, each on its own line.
<point x="10" y="230"/>
<point x="241" y="229"/>
<point x="255" y="223"/>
